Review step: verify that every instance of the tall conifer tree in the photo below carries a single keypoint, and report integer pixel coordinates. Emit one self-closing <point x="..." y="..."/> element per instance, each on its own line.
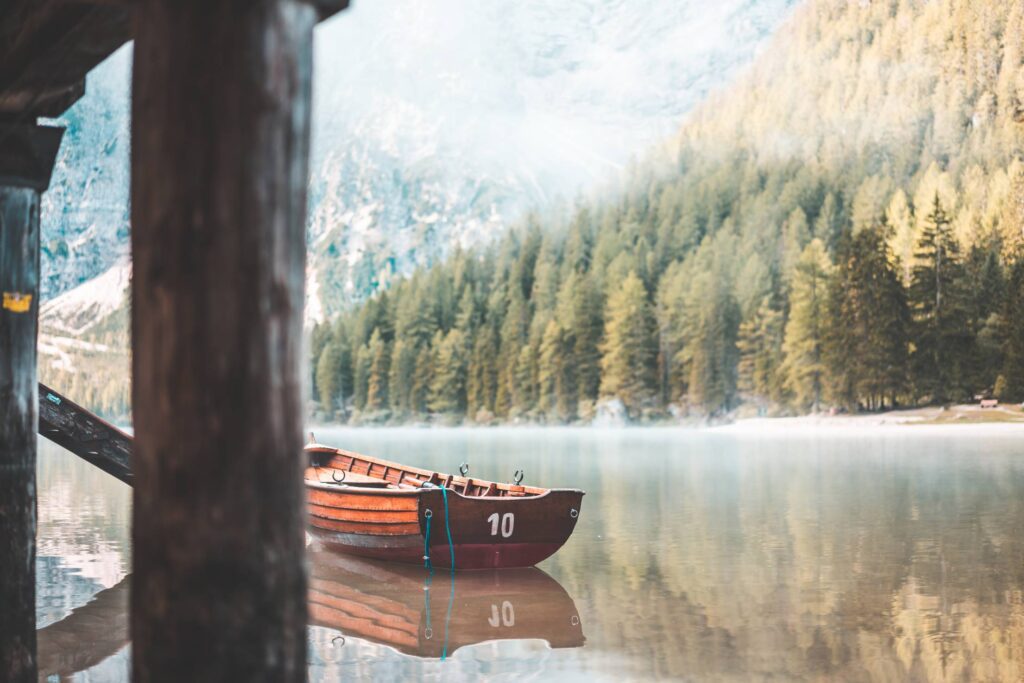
<point x="628" y="353"/>
<point x="942" y="339"/>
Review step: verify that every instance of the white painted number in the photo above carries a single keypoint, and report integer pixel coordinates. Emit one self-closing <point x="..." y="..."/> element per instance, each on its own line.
<point x="508" y="615"/>
<point x="508" y="522"/>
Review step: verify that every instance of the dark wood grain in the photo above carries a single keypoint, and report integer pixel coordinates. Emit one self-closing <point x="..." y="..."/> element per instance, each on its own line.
<point x="26" y="160"/>
<point x="71" y="426"/>
<point x="220" y="142"/>
<point x="19" y="263"/>
<point x="48" y="46"/>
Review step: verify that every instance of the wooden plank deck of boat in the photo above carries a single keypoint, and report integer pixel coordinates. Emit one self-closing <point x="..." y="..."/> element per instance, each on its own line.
<point x="355" y="479"/>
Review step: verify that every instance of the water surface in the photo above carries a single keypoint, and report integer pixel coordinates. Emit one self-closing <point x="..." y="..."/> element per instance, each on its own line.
<point x="698" y="556"/>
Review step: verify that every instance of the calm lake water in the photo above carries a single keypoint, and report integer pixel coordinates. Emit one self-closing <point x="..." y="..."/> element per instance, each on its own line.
<point x="698" y="556"/>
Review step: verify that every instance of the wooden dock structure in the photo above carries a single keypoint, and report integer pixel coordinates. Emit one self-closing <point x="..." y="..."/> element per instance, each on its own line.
<point x="219" y="165"/>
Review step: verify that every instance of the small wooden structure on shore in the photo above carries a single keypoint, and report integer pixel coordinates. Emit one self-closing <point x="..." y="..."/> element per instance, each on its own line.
<point x="220" y="145"/>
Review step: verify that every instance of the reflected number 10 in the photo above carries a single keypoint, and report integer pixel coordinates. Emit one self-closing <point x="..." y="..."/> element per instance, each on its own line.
<point x="508" y="521"/>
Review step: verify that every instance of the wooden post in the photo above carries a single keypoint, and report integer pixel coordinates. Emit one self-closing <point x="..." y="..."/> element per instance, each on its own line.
<point x="27" y="153"/>
<point x="220" y="143"/>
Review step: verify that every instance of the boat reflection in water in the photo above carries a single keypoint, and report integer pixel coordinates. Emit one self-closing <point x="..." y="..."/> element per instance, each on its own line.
<point x="431" y="616"/>
<point x="400" y="606"/>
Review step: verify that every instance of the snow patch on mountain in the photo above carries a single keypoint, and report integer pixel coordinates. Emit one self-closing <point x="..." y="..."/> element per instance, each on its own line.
<point x="75" y="311"/>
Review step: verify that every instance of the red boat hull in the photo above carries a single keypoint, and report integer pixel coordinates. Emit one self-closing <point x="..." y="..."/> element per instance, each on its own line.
<point x="495" y="526"/>
<point x="467" y="555"/>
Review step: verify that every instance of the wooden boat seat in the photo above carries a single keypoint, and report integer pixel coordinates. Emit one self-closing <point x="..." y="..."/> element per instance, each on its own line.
<point x="353" y="479"/>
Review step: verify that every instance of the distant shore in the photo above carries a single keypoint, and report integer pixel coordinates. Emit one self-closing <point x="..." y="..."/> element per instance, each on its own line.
<point x="1009" y="418"/>
<point x="959" y="418"/>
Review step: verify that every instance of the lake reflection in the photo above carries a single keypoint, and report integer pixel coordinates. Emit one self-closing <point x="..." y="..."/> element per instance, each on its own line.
<point x="703" y="556"/>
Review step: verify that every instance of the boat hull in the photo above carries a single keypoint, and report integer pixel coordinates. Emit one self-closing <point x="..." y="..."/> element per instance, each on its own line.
<point x="486" y="532"/>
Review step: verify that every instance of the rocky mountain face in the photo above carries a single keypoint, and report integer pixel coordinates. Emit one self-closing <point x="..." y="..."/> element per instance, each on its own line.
<point x="434" y="126"/>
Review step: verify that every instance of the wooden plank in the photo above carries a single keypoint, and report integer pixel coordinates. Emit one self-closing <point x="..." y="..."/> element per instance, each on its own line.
<point x="325" y="476"/>
<point x="48" y="46"/>
<point x="371" y="528"/>
<point x="220" y="144"/>
<point x="359" y="501"/>
<point x="373" y="516"/>
<point x="71" y="426"/>
<point x="26" y="160"/>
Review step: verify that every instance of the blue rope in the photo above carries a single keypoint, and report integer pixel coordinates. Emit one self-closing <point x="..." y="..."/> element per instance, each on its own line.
<point x="430" y="569"/>
<point x="447" y="527"/>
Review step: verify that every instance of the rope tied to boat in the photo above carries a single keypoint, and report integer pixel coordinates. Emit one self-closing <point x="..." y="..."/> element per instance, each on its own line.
<point x="448" y="528"/>
<point x="428" y="514"/>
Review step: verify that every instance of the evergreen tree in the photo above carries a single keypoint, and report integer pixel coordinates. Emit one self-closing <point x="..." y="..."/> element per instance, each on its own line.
<point x="867" y="337"/>
<point x="759" y="342"/>
<point x="361" y="361"/>
<point x="709" y="353"/>
<point x="400" y="379"/>
<point x="588" y="308"/>
<point x="319" y="338"/>
<point x="448" y="385"/>
<point x="422" y="380"/>
<point x="523" y="381"/>
<point x="628" y="353"/>
<point x="329" y="377"/>
<point x="380" y="365"/>
<point x="795" y="235"/>
<point x="1010" y="384"/>
<point x="555" y="379"/>
<point x="482" y="375"/>
<point x="943" y="342"/>
<point x="804" y="368"/>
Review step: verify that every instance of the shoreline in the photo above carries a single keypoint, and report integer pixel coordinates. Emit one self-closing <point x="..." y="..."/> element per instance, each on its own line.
<point x="960" y="419"/>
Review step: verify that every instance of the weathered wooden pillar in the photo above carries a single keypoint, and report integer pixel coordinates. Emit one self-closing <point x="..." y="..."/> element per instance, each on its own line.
<point x="220" y="138"/>
<point x="27" y="153"/>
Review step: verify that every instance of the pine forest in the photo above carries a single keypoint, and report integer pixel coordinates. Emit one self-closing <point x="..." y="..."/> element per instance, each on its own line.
<point x="842" y="228"/>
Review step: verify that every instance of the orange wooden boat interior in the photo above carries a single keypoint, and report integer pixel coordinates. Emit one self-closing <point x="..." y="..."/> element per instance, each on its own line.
<point x="380" y="509"/>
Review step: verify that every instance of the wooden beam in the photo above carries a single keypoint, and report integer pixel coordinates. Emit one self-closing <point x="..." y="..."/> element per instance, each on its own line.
<point x="220" y="146"/>
<point x="48" y="46"/>
<point x="27" y="154"/>
<point x="99" y="443"/>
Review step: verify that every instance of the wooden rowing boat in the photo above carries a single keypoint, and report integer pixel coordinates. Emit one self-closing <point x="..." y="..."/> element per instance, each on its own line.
<point x="379" y="509"/>
<point x="400" y="606"/>
<point x="372" y="507"/>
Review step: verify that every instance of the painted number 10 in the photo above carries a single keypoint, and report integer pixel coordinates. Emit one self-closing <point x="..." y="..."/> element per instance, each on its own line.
<point x="507" y="520"/>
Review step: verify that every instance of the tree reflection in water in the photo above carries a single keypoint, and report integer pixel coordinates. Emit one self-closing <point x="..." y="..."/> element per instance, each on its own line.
<point x="699" y="555"/>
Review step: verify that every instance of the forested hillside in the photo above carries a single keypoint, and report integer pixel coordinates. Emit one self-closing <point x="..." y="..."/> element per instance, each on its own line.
<point x="842" y="227"/>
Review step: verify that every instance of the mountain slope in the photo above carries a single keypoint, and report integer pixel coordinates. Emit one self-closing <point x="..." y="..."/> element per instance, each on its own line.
<point x="433" y="129"/>
<point x="873" y="148"/>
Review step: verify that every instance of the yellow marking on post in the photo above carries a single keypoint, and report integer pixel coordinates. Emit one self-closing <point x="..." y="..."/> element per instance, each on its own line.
<point x="16" y="302"/>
